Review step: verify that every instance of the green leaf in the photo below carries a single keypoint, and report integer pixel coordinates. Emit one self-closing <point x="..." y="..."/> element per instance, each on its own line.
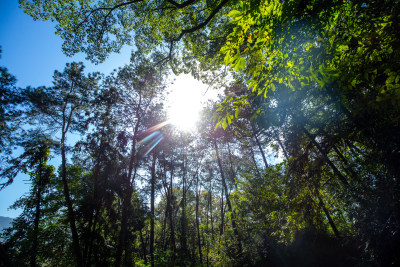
<point x="237" y="112"/>
<point x="240" y="64"/>
<point x="234" y="13"/>
<point x="224" y="124"/>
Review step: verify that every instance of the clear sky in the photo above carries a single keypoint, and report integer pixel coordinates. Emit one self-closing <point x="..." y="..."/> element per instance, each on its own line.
<point x="31" y="52"/>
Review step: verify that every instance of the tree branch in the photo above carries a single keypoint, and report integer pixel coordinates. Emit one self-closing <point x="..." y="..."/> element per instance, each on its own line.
<point x="203" y="24"/>
<point x="193" y="29"/>
<point x="184" y="4"/>
<point x="111" y="9"/>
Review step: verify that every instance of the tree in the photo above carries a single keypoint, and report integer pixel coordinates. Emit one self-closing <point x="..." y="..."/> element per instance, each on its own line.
<point x="11" y="118"/>
<point x="65" y="107"/>
<point x="36" y="155"/>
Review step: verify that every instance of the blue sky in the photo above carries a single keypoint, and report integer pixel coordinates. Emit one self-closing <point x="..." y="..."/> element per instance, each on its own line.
<point x="31" y="52"/>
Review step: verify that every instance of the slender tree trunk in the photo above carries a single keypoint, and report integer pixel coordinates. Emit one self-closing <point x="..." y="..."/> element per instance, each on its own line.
<point x="345" y="163"/>
<point x="328" y="216"/>
<point x="164" y="238"/>
<point x="221" y="229"/>
<point x="127" y="197"/>
<point x="259" y="146"/>
<point x="171" y="212"/>
<point x="198" y="221"/>
<point x="228" y="202"/>
<point x="254" y="161"/>
<point x="347" y="168"/>
<point x="183" y="219"/>
<point x="326" y="158"/>
<point x="90" y="245"/>
<point x="94" y="209"/>
<point x="143" y="247"/>
<point x="124" y="222"/>
<point x="96" y="201"/>
<point x="153" y="181"/>
<point x="130" y="180"/>
<point x="231" y="165"/>
<point x="37" y="215"/>
<point x="164" y="223"/>
<point x="207" y="229"/>
<point x="87" y="239"/>
<point x="128" y="251"/>
<point x="211" y="212"/>
<point x="283" y="148"/>
<point x="70" y="209"/>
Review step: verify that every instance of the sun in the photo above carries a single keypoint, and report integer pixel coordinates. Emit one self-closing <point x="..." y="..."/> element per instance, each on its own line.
<point x="185" y="102"/>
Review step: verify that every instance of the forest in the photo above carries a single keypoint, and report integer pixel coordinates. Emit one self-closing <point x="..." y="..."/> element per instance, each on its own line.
<point x="295" y="164"/>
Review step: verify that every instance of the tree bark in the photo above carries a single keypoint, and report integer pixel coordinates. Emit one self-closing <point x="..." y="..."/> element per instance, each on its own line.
<point x="153" y="181"/>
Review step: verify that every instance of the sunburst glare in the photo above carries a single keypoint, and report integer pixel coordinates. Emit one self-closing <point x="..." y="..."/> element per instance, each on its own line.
<point x="185" y="102"/>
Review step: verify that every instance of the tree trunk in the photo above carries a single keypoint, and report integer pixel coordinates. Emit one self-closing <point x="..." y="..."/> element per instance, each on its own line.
<point x="127" y="198"/>
<point x="171" y="212"/>
<point x="283" y="148"/>
<point x="231" y="165"/>
<point x="183" y="218"/>
<point x="326" y="158"/>
<point x="254" y="161"/>
<point x="221" y="227"/>
<point x="328" y="216"/>
<point x="39" y="183"/>
<point x="124" y="223"/>
<point x="91" y="231"/>
<point x="94" y="209"/>
<point x="198" y="221"/>
<point x="228" y="202"/>
<point x="211" y="213"/>
<point x="68" y="201"/>
<point x="207" y="230"/>
<point x="143" y="247"/>
<point x="259" y="146"/>
<point x="153" y="181"/>
<point x="163" y="241"/>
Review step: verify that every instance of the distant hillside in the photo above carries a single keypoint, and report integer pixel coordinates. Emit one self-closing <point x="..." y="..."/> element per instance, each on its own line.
<point x="5" y="222"/>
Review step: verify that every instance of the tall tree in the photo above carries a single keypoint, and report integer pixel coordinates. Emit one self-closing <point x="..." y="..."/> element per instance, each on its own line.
<point x="33" y="161"/>
<point x="65" y="108"/>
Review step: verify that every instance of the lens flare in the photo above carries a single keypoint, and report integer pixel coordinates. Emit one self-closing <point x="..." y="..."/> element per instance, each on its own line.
<point x="147" y="144"/>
